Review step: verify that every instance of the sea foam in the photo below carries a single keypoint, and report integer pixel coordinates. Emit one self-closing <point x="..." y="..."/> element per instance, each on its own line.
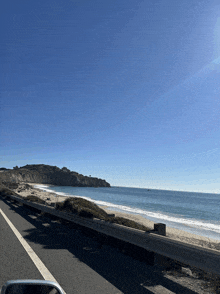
<point x="170" y="219"/>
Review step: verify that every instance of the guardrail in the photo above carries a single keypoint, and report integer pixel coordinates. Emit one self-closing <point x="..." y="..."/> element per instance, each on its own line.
<point x="202" y="258"/>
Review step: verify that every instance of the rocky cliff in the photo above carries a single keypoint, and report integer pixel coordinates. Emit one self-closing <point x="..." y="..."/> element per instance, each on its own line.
<point x="46" y="174"/>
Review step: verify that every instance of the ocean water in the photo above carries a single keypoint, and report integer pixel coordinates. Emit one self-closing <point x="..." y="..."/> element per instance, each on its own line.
<point x="197" y="213"/>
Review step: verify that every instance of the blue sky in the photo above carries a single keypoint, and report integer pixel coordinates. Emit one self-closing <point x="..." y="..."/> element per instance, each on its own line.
<point x="128" y="91"/>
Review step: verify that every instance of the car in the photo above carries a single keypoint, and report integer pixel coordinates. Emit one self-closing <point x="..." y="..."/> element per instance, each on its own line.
<point x="31" y="286"/>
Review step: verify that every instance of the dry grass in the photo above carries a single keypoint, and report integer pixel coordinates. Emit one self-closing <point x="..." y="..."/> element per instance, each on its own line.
<point x="128" y="223"/>
<point x="211" y="281"/>
<point x="10" y="185"/>
<point x="5" y="191"/>
<point x="82" y="207"/>
<point x="35" y="199"/>
<point x="85" y="208"/>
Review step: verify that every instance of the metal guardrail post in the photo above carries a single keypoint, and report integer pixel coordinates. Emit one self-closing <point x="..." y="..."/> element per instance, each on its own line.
<point x="154" y="241"/>
<point x="160" y="229"/>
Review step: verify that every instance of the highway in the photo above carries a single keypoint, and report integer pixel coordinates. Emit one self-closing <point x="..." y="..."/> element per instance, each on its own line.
<point x="78" y="262"/>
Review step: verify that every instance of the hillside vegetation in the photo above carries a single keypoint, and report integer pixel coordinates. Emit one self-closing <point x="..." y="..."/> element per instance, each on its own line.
<point x="47" y="174"/>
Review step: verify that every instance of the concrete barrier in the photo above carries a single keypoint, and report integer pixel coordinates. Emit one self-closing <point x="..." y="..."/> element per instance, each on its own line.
<point x="199" y="257"/>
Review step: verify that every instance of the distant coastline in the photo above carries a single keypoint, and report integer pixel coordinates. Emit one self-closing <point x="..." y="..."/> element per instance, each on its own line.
<point x="47" y="174"/>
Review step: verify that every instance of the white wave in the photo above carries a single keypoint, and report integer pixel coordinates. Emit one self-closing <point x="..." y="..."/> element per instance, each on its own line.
<point x="41" y="186"/>
<point x="158" y="215"/>
<point x="193" y="223"/>
<point x="46" y="189"/>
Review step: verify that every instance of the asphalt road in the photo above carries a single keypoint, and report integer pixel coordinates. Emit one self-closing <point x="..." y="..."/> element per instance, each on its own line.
<point x="79" y="263"/>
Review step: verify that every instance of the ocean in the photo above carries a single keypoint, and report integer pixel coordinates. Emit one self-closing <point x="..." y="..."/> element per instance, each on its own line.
<point x="196" y="213"/>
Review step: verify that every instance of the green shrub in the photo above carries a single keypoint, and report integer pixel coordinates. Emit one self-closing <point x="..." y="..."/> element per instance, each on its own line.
<point x="4" y="191"/>
<point x="11" y="185"/>
<point x="35" y="199"/>
<point x="85" y="208"/>
<point x="82" y="207"/>
<point x="128" y="223"/>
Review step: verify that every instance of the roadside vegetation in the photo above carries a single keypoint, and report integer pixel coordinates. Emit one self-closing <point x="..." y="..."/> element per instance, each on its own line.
<point x="6" y="189"/>
<point x="75" y="205"/>
<point x="88" y="209"/>
<point x="35" y="199"/>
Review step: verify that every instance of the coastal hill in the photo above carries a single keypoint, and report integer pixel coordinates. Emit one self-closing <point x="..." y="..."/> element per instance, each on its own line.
<point x="47" y="174"/>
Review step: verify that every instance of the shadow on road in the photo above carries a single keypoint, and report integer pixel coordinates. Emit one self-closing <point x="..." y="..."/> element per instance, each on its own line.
<point x="124" y="272"/>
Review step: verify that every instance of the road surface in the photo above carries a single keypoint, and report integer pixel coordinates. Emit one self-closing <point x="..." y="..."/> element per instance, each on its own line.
<point x="78" y="262"/>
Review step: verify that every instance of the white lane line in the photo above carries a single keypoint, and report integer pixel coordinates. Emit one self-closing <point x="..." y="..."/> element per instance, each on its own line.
<point x="36" y="260"/>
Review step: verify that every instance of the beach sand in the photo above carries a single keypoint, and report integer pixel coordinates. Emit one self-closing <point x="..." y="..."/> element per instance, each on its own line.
<point x="172" y="233"/>
<point x="44" y="195"/>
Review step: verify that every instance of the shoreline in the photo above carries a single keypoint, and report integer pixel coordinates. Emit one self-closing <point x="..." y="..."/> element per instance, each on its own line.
<point x="171" y="233"/>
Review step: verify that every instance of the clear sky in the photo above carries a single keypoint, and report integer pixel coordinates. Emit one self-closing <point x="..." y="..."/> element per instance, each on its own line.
<point x="127" y="91"/>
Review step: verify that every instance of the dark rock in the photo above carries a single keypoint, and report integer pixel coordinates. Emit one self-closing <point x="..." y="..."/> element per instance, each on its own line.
<point x="187" y="271"/>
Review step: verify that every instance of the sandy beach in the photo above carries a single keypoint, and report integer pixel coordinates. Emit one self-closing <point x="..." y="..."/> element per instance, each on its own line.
<point x="172" y="233"/>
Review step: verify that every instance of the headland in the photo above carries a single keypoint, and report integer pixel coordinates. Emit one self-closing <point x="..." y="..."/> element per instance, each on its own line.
<point x="47" y="174"/>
